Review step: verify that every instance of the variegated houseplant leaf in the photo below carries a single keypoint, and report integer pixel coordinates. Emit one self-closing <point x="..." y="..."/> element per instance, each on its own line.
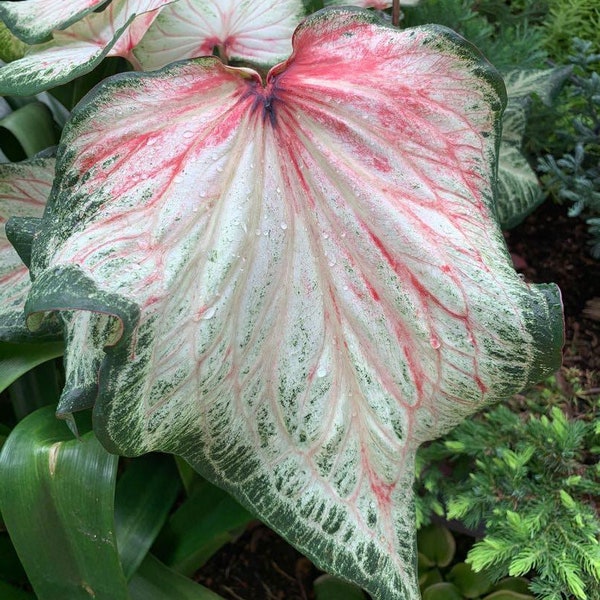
<point x="79" y="48"/>
<point x="519" y="191"/>
<point x="34" y="20"/>
<point x="294" y="283"/>
<point x="255" y="31"/>
<point x="24" y="189"/>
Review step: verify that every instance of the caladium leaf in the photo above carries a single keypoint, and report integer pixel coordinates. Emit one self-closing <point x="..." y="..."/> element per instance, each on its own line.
<point x="256" y="31"/>
<point x="519" y="191"/>
<point x="34" y="20"/>
<point x="306" y="277"/>
<point x="78" y="49"/>
<point x="24" y="189"/>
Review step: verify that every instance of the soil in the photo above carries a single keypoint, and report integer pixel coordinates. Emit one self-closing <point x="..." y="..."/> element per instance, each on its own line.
<point x="548" y="246"/>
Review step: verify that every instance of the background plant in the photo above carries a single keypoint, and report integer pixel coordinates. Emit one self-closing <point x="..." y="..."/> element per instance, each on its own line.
<point x="519" y="37"/>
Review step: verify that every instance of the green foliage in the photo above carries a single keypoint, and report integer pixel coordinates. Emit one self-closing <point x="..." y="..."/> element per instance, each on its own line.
<point x="574" y="176"/>
<point x="568" y="17"/>
<point x="500" y="30"/>
<point x="528" y="471"/>
<point x="443" y="576"/>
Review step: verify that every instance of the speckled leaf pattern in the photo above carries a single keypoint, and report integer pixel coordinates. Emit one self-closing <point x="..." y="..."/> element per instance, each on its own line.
<point x="24" y="189"/>
<point x="34" y="20"/>
<point x="78" y="49"/>
<point x="519" y="191"/>
<point x="256" y="31"/>
<point x="306" y="276"/>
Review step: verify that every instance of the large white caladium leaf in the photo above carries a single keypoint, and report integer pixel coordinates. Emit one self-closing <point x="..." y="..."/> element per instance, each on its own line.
<point x="79" y="48"/>
<point x="306" y="278"/>
<point x="34" y="20"/>
<point x="24" y="189"/>
<point x="256" y="31"/>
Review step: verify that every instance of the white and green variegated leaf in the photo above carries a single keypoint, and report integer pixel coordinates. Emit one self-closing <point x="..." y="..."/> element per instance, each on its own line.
<point x="34" y="20"/>
<point x="305" y="276"/>
<point x="545" y="83"/>
<point x="519" y="191"/>
<point x="24" y="189"/>
<point x="79" y="48"/>
<point x="255" y="31"/>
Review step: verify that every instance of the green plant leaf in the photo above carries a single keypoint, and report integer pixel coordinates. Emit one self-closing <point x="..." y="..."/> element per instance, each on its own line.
<point x="442" y="591"/>
<point x="57" y="502"/>
<point x="34" y="20"/>
<point x="515" y="584"/>
<point x="155" y="581"/>
<point x="325" y="245"/>
<point x="31" y="125"/>
<point x="508" y="595"/>
<point x="9" y="592"/>
<point x="331" y="588"/>
<point x="81" y="47"/>
<point x="145" y="494"/>
<point x="11" y="47"/>
<point x="258" y="32"/>
<point x="429" y="578"/>
<point x="24" y="189"/>
<point x="470" y="584"/>
<point x="16" y="359"/>
<point x="205" y="521"/>
<point x="437" y="544"/>
<point x="34" y="389"/>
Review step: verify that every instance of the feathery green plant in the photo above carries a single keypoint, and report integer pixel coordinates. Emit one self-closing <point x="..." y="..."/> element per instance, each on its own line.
<point x="529" y="472"/>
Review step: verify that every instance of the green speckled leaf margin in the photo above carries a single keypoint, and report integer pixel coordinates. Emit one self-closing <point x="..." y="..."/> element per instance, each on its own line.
<point x="34" y="20"/>
<point x="24" y="189"/>
<point x="308" y="278"/>
<point x="519" y="191"/>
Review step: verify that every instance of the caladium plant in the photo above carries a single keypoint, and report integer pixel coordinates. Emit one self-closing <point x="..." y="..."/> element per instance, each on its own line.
<point x="293" y="283"/>
<point x="34" y="20"/>
<point x="79" y="48"/>
<point x="257" y="31"/>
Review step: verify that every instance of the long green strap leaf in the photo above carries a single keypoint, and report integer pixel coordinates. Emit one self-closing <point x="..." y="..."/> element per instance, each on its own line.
<point x="155" y="581"/>
<point x="8" y="592"/>
<point x="36" y="388"/>
<point x="206" y="521"/>
<point x="32" y="126"/>
<point x="145" y="494"/>
<point x="16" y="359"/>
<point x="57" y="502"/>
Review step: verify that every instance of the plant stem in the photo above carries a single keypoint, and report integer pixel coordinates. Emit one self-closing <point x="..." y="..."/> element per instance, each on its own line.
<point x="396" y="13"/>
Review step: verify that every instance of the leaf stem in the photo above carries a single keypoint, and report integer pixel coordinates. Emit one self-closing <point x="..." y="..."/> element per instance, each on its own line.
<point x="396" y="13"/>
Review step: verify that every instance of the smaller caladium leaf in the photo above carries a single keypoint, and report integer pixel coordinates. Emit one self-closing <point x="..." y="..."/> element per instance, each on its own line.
<point x="254" y="31"/>
<point x="78" y="49"/>
<point x="297" y="281"/>
<point x="24" y="189"/>
<point x="34" y="20"/>
<point x="519" y="191"/>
